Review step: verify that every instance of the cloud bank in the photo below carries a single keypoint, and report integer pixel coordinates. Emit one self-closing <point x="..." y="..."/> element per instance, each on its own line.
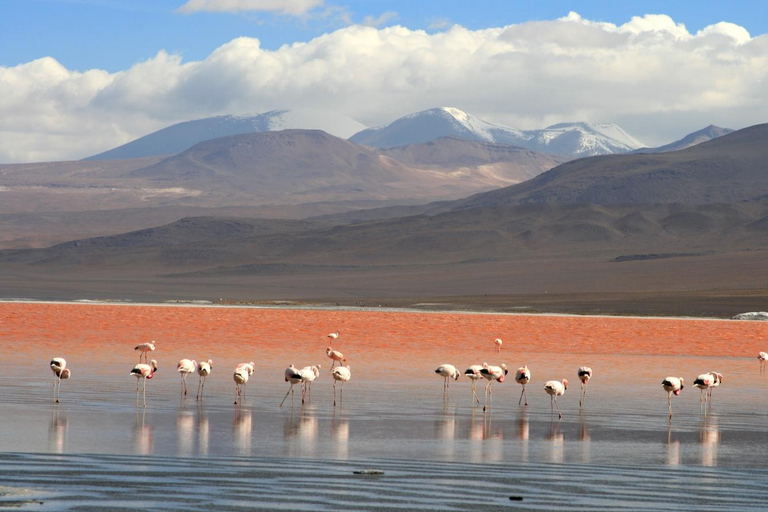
<point x="650" y="75"/>
<point x="290" y="7"/>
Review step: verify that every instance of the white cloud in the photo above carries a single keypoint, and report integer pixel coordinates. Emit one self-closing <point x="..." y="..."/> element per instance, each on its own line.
<point x="292" y="7"/>
<point x="650" y="75"/>
<point x="385" y="18"/>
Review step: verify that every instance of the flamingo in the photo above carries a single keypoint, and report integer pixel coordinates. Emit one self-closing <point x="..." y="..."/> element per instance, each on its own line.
<point x="447" y="371"/>
<point x="143" y="371"/>
<point x="203" y="370"/>
<point x="762" y="357"/>
<point x="243" y="372"/>
<point x="185" y="367"/>
<point x="332" y="336"/>
<point x="718" y="380"/>
<point x="335" y="355"/>
<point x="555" y="389"/>
<point x="585" y="373"/>
<point x="60" y="372"/>
<point x="672" y="385"/>
<point x="498" y="343"/>
<point x="308" y="376"/>
<point x="704" y="382"/>
<point x="340" y="374"/>
<point x="143" y="348"/>
<point x="523" y="376"/>
<point x="293" y="376"/>
<point x="492" y="373"/>
<point x="473" y="373"/>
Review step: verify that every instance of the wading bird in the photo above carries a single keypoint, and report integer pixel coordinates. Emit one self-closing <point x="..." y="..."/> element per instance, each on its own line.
<point x="203" y="370"/>
<point x="308" y="376"/>
<point x="143" y="371"/>
<point x="704" y="382"/>
<point x="672" y="385"/>
<point x="585" y="373"/>
<point x="492" y="373"/>
<point x="762" y="357"/>
<point x="60" y="372"/>
<point x="447" y="372"/>
<point x="718" y="380"/>
<point x="185" y="367"/>
<point x="293" y="376"/>
<point x="143" y="348"/>
<point x="473" y="373"/>
<point x="498" y="343"/>
<point x="243" y="372"/>
<point x="336" y="356"/>
<point x="523" y="376"/>
<point x="555" y="389"/>
<point x="340" y="374"/>
<point x="332" y="336"/>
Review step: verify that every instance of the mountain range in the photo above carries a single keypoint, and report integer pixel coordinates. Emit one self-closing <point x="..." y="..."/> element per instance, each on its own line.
<point x="693" y="221"/>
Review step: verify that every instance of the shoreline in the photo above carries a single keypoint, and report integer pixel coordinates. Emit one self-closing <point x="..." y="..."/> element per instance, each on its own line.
<point x="318" y="306"/>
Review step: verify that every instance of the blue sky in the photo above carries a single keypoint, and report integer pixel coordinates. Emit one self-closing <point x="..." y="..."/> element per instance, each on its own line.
<point x="78" y="77"/>
<point x="114" y="34"/>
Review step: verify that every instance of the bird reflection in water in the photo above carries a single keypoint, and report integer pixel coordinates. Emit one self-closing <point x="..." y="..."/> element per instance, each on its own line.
<point x="523" y="433"/>
<point x="584" y="438"/>
<point x="486" y="438"/>
<point x="143" y="438"/>
<point x="203" y="430"/>
<point x="300" y="432"/>
<point x="340" y="436"/>
<point x="709" y="436"/>
<point x="556" y="443"/>
<point x="445" y="431"/>
<point x="57" y="432"/>
<point x="673" y="448"/>
<point x="185" y="433"/>
<point x="242" y="427"/>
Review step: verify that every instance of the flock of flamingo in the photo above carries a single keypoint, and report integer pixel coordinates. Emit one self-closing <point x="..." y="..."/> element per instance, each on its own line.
<point x="304" y="377"/>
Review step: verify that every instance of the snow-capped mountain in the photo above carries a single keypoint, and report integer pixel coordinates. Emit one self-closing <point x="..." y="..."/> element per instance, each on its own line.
<point x="568" y="139"/>
<point x="180" y="137"/>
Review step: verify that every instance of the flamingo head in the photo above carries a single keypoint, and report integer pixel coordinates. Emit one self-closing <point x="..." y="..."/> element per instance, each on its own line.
<point x="565" y="384"/>
<point x="504" y="367"/>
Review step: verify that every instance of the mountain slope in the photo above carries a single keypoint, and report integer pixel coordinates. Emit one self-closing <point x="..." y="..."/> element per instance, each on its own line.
<point x="568" y="139"/>
<point x="728" y="169"/>
<point x="179" y="137"/>
<point x="692" y="139"/>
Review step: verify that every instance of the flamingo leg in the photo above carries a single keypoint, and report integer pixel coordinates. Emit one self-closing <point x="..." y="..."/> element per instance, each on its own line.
<point x="303" y="393"/>
<point x="583" y="398"/>
<point x="669" y="402"/>
<point x="199" y="384"/>
<point x="341" y="394"/>
<point x="559" y="414"/>
<point x="145" y="392"/>
<point x="334" y="393"/>
<point x="286" y="396"/>
<point x="487" y="392"/>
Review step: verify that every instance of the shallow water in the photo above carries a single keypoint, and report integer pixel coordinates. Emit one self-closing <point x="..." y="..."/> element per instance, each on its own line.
<point x="438" y="450"/>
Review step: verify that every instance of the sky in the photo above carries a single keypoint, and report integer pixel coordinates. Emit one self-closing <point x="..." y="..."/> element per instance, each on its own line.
<point x="78" y="77"/>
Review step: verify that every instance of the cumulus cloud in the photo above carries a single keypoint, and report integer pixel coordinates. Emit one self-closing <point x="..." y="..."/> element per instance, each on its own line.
<point x="651" y="75"/>
<point x="292" y="7"/>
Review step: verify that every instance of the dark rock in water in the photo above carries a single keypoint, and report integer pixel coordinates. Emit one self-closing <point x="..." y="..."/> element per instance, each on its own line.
<point x="753" y="315"/>
<point x="369" y="472"/>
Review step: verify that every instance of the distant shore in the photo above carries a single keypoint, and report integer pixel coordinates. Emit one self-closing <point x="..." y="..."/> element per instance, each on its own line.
<point x="383" y="305"/>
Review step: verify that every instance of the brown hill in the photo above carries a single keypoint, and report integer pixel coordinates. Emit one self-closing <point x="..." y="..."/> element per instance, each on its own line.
<point x="728" y="169"/>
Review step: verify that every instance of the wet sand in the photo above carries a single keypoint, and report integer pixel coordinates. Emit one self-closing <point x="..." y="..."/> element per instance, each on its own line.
<point x="437" y="450"/>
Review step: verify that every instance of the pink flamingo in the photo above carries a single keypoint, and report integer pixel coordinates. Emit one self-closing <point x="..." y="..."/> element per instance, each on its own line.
<point x="185" y="367"/>
<point x="492" y="373"/>
<point x="143" y="371"/>
<point x="473" y="373"/>
<point x="585" y="373"/>
<point x="762" y="357"/>
<point x="243" y="372"/>
<point x="340" y="374"/>
<point x="334" y="335"/>
<point x="60" y="372"/>
<point x="718" y="380"/>
<point x="203" y="370"/>
<point x="555" y="389"/>
<point x="308" y="376"/>
<point x="336" y="356"/>
<point x="523" y="376"/>
<point x="498" y="343"/>
<point x="672" y="385"/>
<point x="447" y="372"/>
<point x="143" y="348"/>
<point x="293" y="376"/>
